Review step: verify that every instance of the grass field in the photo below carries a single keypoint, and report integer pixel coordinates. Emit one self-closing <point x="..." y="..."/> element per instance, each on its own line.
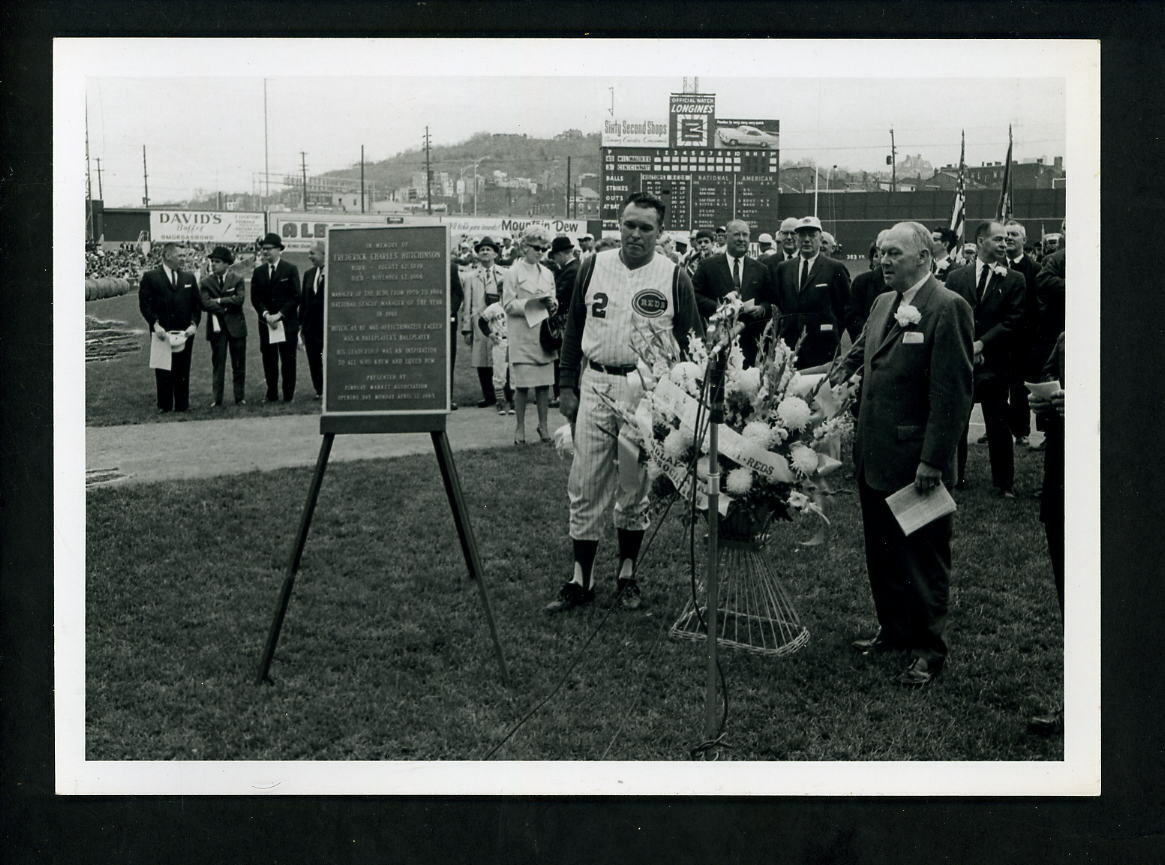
<point x="121" y="390"/>
<point x="385" y="652"/>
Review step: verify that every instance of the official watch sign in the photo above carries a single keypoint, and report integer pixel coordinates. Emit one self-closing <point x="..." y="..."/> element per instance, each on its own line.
<point x="690" y="119"/>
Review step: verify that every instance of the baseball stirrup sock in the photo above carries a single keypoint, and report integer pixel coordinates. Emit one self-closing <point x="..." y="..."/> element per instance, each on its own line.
<point x="630" y="541"/>
<point x="584" y="561"/>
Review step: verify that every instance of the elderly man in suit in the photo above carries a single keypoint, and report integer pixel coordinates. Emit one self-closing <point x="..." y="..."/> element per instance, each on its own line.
<point x="915" y="354"/>
<point x="169" y="301"/>
<point x="275" y="296"/>
<point x="311" y="316"/>
<point x="995" y="293"/>
<point x="483" y="286"/>
<point x="732" y="270"/>
<point x="223" y="292"/>
<point x="811" y="294"/>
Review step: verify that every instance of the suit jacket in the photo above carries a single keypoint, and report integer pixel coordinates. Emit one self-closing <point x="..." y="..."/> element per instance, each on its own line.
<point x="311" y="307"/>
<point x="456" y="292"/>
<point x="224" y="303"/>
<point x="865" y="288"/>
<point x="175" y="308"/>
<point x="916" y="389"/>
<point x="278" y="295"/>
<point x="997" y="317"/>
<point x="564" y="280"/>
<point x="1050" y="304"/>
<point x="819" y="309"/>
<point x="713" y="281"/>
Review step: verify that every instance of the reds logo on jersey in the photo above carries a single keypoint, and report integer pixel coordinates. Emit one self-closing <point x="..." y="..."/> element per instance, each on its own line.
<point x="649" y="303"/>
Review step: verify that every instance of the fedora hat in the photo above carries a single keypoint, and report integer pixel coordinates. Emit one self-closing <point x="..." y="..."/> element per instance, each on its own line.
<point x="271" y="239"/>
<point x="487" y="241"/>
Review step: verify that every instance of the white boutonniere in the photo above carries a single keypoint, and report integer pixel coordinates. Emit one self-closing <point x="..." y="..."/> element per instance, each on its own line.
<point x="999" y="269"/>
<point x="906" y="315"/>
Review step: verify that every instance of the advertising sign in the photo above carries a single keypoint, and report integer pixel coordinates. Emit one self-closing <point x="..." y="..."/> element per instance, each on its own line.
<point x="300" y="230"/>
<point x="386" y="321"/>
<point x="512" y="226"/>
<point x="205" y="226"/>
<point x="635" y="132"/>
<point x="759" y="134"/>
<point x="690" y="119"/>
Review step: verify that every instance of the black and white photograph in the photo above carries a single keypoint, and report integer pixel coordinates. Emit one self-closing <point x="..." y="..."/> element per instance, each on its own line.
<point x="643" y="417"/>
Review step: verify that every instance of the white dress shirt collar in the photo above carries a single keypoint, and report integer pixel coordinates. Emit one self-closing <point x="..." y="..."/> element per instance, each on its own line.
<point x="910" y="293"/>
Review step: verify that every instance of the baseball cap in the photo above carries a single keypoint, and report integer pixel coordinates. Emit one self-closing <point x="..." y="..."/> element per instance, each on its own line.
<point x="765" y="238"/>
<point x="808" y="223"/>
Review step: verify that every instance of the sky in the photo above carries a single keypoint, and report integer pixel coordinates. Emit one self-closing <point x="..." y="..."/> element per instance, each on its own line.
<point x="205" y="129"/>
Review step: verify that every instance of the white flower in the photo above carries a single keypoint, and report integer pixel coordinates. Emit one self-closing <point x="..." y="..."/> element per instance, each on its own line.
<point x="759" y="433"/>
<point x="697" y="351"/>
<point x="906" y="315"/>
<point x="739" y="481"/>
<point x="793" y="412"/>
<point x="804" y="459"/>
<point x="999" y="269"/>
<point x="780" y="435"/>
<point x="677" y="443"/>
<point x="798" y="501"/>
<point x="746" y="381"/>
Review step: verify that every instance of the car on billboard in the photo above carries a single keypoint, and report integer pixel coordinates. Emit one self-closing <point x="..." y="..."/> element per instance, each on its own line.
<point x="746" y="136"/>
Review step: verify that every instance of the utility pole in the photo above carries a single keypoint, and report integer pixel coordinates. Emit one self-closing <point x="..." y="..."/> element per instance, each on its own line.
<point x="303" y="168"/>
<point x="893" y="163"/>
<point x="100" y="195"/>
<point x="220" y="200"/>
<point x="428" y="176"/>
<point x="145" y="179"/>
<point x="568" y="186"/>
<point x="88" y="181"/>
<point x="266" y="162"/>
<point x="361" y="178"/>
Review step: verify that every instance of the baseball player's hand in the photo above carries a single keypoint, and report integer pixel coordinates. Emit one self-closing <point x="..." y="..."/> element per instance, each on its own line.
<point x="927" y="478"/>
<point x="568" y="403"/>
<point x="159" y="330"/>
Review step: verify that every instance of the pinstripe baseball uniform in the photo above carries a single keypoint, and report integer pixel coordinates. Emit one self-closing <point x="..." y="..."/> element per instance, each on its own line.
<point x="597" y="354"/>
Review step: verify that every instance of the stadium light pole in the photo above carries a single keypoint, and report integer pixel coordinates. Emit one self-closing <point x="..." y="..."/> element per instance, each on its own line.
<point x="475" y="164"/>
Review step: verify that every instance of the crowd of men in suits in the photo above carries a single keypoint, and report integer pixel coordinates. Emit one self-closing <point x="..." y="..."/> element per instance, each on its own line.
<point x="173" y="299"/>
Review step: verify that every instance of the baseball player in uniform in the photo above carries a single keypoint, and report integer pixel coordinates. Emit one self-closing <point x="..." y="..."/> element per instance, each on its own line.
<point x="618" y="292"/>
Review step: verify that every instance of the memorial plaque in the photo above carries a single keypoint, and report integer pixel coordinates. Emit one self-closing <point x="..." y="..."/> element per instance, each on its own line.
<point x="386" y="322"/>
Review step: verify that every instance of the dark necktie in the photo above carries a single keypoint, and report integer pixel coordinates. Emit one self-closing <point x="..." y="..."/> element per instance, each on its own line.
<point x="173" y="279"/>
<point x="804" y="274"/>
<point x="221" y="283"/>
<point x="320" y="281"/>
<point x="736" y="273"/>
<point x="271" y="273"/>
<point x="983" y="277"/>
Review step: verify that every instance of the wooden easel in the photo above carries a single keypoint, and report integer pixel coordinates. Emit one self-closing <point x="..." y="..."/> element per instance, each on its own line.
<point x="329" y="428"/>
<point x="354" y="255"/>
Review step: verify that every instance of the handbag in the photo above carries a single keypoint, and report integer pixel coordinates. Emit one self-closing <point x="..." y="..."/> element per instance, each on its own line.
<point x="550" y="333"/>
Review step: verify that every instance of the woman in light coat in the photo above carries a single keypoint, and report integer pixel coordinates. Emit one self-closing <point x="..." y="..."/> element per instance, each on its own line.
<point x="527" y="292"/>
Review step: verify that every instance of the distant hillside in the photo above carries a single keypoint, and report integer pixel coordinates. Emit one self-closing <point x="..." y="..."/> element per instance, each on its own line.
<point x="540" y="159"/>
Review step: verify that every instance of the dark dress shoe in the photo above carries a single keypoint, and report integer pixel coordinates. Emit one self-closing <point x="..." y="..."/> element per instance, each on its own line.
<point x="918" y="674"/>
<point x="873" y="645"/>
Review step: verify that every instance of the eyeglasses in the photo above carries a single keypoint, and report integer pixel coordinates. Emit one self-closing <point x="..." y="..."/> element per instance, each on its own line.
<point x="537" y="247"/>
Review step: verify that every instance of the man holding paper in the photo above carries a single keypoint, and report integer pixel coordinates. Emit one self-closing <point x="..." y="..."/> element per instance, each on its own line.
<point x="915" y="354"/>
<point x="275" y="296"/>
<point x="170" y="303"/>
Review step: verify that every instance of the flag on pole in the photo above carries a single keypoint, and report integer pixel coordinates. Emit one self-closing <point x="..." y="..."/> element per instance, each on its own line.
<point x="959" y="214"/>
<point x="1003" y="211"/>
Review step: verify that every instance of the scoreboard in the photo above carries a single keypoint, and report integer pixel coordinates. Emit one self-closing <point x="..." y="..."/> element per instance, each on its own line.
<point x="702" y="187"/>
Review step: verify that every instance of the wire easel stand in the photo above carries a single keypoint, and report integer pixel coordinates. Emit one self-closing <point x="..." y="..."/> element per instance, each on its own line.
<point x="755" y="613"/>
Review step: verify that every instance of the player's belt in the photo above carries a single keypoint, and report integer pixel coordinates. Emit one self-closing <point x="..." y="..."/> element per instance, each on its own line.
<point x="611" y="370"/>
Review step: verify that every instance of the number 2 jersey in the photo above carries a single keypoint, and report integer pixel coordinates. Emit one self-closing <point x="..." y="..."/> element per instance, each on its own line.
<point x="611" y="302"/>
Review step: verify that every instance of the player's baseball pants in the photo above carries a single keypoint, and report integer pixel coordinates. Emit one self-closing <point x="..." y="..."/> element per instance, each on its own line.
<point x="594" y="473"/>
